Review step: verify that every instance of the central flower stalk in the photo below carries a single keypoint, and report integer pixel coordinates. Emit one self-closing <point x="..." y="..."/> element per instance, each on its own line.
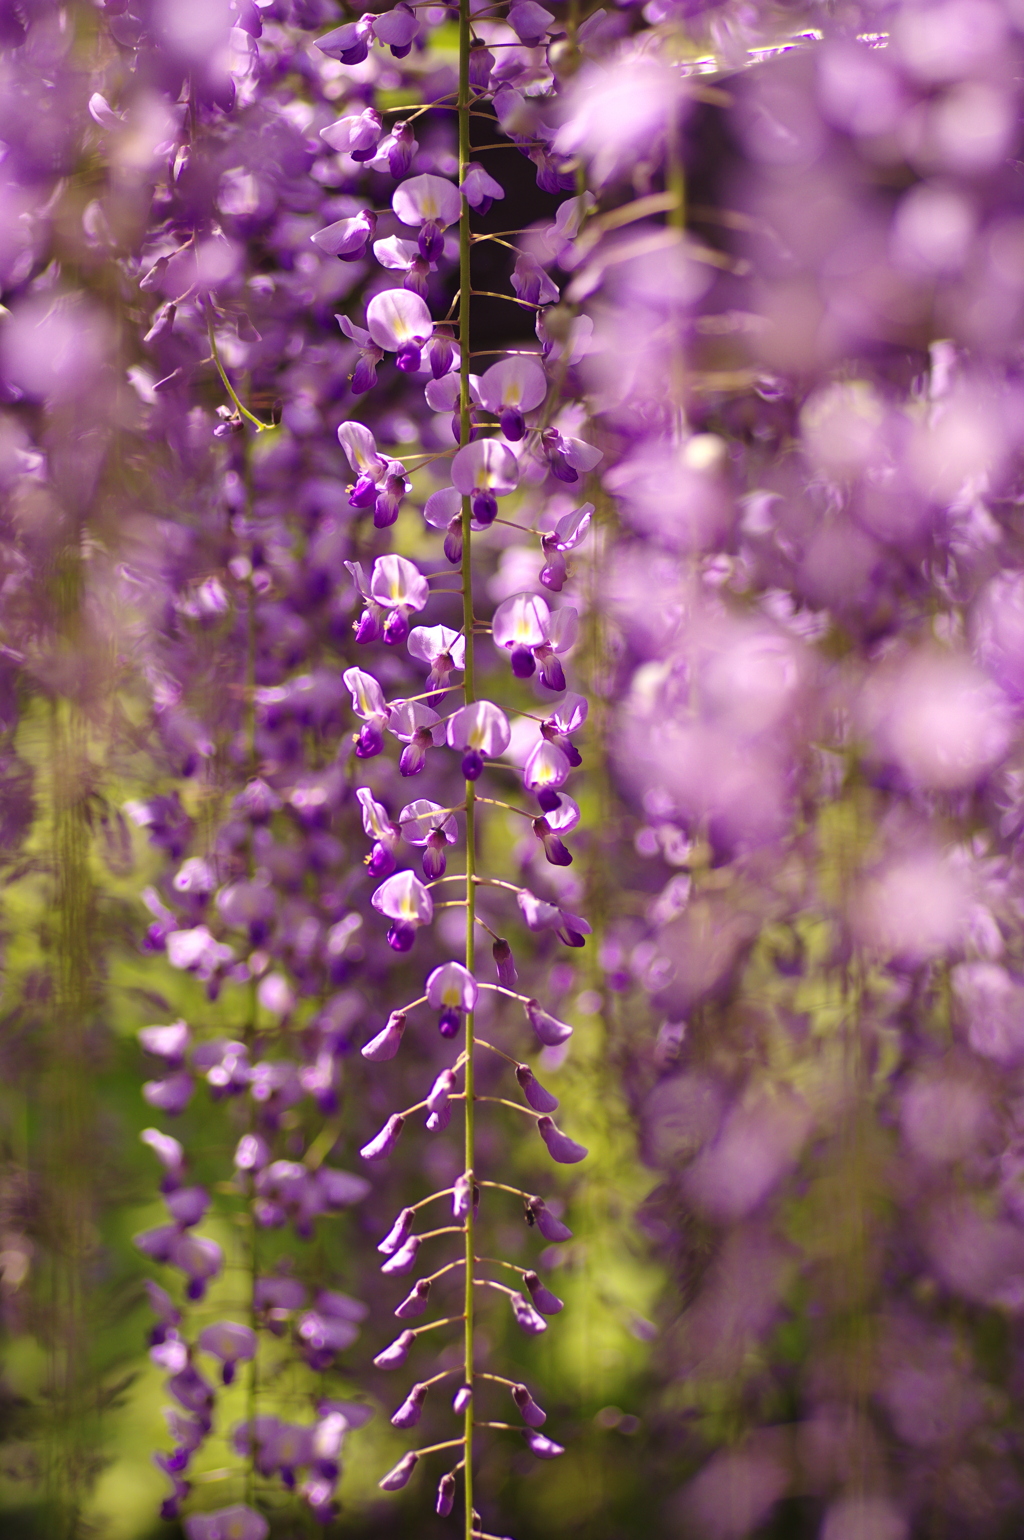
<point x="465" y="435"/>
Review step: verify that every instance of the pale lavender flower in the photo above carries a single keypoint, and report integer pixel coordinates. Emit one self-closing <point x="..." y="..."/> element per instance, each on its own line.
<point x="511" y="388"/>
<point x="229" y="1342"/>
<point x="369" y="704"/>
<point x="430" y="203"/>
<point x="483" y="471"/>
<point x="479" y="188"/>
<point x="347" y="239"/>
<point x="399" y="322"/>
<point x="406" y="902"/>
<point x="239" y="1522"/>
<point x="481" y="730"/>
<point x="357" y="135"/>
<point x="419" y="727"/>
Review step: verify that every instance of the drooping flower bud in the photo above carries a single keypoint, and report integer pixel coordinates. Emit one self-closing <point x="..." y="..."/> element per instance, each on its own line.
<point x="526" y="1316"/>
<point x="530" y="1412"/>
<point x="395" y="1354"/>
<point x="461" y="1197"/>
<point x="398" y="1234"/>
<point x="548" y="1028"/>
<point x="386" y="1044"/>
<point x="546" y="1302"/>
<point x="540" y="1099"/>
<point x="445" y="1494"/>
<point x="408" y="1414"/>
<point x="462" y="1398"/>
<point x="560" y="1146"/>
<point x="383" y="1143"/>
<point x="552" y="1229"/>
<point x="404" y="1259"/>
<point x="504" y="962"/>
<point x="399" y="1474"/>
<point x="544" y="1448"/>
<point x="416" y="1301"/>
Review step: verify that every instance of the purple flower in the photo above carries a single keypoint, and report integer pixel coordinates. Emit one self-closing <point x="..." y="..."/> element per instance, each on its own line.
<point x="356" y="135"/>
<point x="482" y="732"/>
<point x="170" y="1155"/>
<point x="399" y="1474"/>
<point x="504" y="963"/>
<point x="526" y="1316"/>
<point x="167" y="1043"/>
<point x="416" y="1301"/>
<point x="384" y="1142"/>
<point x="430" y="203"/>
<point x="347" y="239"/>
<point x="387" y="1042"/>
<point x="408" y="1414"/>
<point x="442" y="649"/>
<point x="406" y="902"/>
<point x="552" y="1229"/>
<point x="483" y="471"/>
<point x="239" y="1522"/>
<point x="399" y="1233"/>
<point x="546" y="1302"/>
<point x="479" y="189"/>
<point x="540" y="1100"/>
<point x="399" y="322"/>
<point x="445" y="1494"/>
<point x="420" y="728"/>
<point x="395" y="1354"/>
<point x="530" y="1412"/>
<point x="229" y="1342"/>
<point x="403" y="1260"/>
<point x="560" y="1146"/>
<point x="509" y="389"/>
<point x="368" y="703"/>
<point x="548" y="1028"/>
<point x="544" y="1448"/>
<point x="529" y="21"/>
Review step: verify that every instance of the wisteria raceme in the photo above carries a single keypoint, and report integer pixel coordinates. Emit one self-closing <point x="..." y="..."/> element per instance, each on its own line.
<point x="512" y="579"/>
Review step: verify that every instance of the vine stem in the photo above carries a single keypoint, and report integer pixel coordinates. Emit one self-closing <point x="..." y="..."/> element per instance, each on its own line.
<point x="469" y="687"/>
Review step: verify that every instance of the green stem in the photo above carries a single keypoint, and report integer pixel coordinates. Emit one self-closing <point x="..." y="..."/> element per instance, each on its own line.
<point x="469" y="686"/>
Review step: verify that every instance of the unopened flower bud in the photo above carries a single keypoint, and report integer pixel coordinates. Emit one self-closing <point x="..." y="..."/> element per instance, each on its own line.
<point x="560" y="1146"/>
<point x="504" y="962"/>
<point x="529" y="1411"/>
<point x="552" y="1229"/>
<point x="548" y="1028"/>
<point x="385" y="1141"/>
<point x="540" y="1099"/>
<point x="544" y="1448"/>
<point x="398" y="1234"/>
<point x="395" y="1354"/>
<point x="408" y="1414"/>
<point x="404" y="1258"/>
<point x="461" y="1198"/>
<point x="526" y="1316"/>
<point x="399" y="1474"/>
<point x="416" y="1301"/>
<point x="546" y="1302"/>
<point x="463" y="1396"/>
<point x="446" y="1494"/>
<point x="385" y="1045"/>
